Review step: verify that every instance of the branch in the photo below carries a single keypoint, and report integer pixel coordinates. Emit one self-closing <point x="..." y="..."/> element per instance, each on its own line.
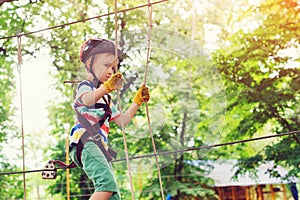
<point x="3" y="1"/>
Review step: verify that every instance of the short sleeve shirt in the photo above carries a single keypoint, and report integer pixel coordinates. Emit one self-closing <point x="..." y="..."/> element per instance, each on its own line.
<point x="92" y="113"/>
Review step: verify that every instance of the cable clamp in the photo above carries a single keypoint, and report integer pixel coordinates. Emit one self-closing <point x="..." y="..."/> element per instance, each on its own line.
<point x="50" y="171"/>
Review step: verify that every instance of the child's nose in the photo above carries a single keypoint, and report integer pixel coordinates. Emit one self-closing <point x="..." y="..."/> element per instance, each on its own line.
<point x="110" y="70"/>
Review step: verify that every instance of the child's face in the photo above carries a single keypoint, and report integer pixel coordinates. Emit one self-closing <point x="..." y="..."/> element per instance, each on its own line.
<point x="104" y="66"/>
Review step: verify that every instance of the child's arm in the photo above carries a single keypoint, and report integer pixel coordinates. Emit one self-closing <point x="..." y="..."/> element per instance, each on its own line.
<point x="126" y="117"/>
<point x="113" y="83"/>
<point x="141" y="96"/>
<point x="90" y="98"/>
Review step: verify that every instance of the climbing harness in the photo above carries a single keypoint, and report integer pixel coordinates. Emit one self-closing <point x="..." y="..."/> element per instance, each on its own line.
<point x="91" y="134"/>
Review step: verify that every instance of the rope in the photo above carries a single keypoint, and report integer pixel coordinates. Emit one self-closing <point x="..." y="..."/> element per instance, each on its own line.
<point x="147" y="108"/>
<point x="173" y="152"/>
<point x="21" y="111"/>
<point x="81" y="21"/>
<point x="67" y="162"/>
<point x="119" y="102"/>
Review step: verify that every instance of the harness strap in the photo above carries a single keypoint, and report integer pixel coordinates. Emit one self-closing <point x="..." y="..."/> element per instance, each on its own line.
<point x="92" y="132"/>
<point x="98" y="141"/>
<point x="62" y="164"/>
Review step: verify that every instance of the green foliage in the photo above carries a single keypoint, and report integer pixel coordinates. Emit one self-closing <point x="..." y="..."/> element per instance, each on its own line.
<point x="263" y="76"/>
<point x="10" y="24"/>
<point x="277" y="153"/>
<point x="12" y="184"/>
<point x="173" y="96"/>
<point x="260" y="92"/>
<point x="181" y="186"/>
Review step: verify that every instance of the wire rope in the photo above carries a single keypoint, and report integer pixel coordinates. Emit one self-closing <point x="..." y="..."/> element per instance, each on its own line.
<point x="81" y="21"/>
<point x="175" y="151"/>
<point x="211" y="146"/>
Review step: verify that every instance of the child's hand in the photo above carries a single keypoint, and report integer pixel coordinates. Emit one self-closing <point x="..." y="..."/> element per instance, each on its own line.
<point x="115" y="82"/>
<point x="142" y="95"/>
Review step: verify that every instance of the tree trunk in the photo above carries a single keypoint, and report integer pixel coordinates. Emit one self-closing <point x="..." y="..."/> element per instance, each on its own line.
<point x="179" y="162"/>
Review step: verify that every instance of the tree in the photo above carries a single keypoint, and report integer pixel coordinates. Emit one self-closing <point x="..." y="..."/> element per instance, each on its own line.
<point x="262" y="77"/>
<point x="187" y="104"/>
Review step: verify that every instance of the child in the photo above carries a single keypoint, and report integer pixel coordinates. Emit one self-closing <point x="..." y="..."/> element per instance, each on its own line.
<point x="89" y="137"/>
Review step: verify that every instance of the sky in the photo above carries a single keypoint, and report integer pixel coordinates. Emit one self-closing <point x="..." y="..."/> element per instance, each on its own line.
<point x="36" y="93"/>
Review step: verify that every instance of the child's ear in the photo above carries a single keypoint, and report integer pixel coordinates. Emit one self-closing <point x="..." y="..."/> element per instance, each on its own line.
<point x="88" y="63"/>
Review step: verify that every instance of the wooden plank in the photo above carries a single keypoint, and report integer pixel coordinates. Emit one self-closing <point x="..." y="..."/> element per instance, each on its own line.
<point x="260" y="193"/>
<point x="220" y="194"/>
<point x="247" y="193"/>
<point x="233" y="192"/>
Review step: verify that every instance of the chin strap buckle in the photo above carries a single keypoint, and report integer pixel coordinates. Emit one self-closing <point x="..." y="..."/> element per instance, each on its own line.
<point x="50" y="171"/>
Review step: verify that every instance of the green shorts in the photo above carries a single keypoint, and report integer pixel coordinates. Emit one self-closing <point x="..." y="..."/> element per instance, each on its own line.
<point x="97" y="169"/>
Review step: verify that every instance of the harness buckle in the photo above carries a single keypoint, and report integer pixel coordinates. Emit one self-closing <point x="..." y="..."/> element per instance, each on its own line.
<point x="97" y="137"/>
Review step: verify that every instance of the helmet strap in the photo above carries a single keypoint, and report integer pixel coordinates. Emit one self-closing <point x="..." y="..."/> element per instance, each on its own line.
<point x="95" y="79"/>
